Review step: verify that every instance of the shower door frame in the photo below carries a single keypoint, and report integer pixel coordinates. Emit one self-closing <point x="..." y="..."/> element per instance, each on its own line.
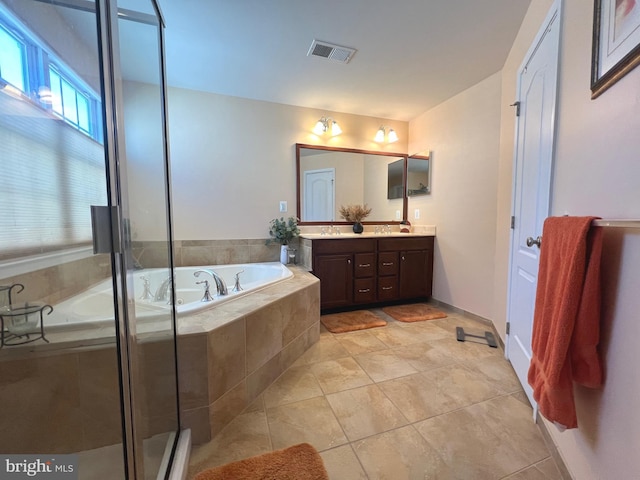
<point x="107" y="11"/>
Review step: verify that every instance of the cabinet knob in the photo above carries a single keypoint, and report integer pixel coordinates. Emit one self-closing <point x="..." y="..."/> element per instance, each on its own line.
<point x="349" y="261"/>
<point x="403" y="257"/>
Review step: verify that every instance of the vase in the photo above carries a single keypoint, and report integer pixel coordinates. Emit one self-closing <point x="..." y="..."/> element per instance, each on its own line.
<point x="284" y="254"/>
<point x="358" y="228"/>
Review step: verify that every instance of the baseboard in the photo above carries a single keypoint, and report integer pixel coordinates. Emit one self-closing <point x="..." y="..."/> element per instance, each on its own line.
<point x="551" y="446"/>
<point x="472" y="316"/>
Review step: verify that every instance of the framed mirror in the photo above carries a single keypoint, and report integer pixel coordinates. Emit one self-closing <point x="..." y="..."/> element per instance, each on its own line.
<point x="328" y="177"/>
<point x="418" y="175"/>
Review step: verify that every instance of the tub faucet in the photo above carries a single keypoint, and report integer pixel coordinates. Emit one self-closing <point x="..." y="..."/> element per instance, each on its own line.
<point x="221" y="287"/>
<point x="162" y="293"/>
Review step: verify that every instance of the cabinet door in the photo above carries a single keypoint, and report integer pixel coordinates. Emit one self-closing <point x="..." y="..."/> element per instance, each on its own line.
<point x="336" y="279"/>
<point x="415" y="274"/>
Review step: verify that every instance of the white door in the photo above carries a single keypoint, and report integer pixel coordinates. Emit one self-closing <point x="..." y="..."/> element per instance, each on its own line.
<point x="532" y="180"/>
<point x="319" y="196"/>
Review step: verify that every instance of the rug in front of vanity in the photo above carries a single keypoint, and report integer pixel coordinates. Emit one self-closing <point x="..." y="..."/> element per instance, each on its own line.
<point x="414" y="312"/>
<point x="351" y="321"/>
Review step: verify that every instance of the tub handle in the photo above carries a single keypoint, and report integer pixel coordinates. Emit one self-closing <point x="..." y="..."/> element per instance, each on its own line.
<point x="207" y="294"/>
<point x="237" y="287"/>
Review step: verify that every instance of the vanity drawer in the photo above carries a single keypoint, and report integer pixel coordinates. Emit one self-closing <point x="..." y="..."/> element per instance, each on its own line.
<point x="365" y="265"/>
<point x="387" y="288"/>
<point x="388" y="263"/>
<point x="364" y="290"/>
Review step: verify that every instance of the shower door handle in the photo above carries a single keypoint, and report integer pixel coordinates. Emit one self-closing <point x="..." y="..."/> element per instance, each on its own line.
<point x="105" y="228"/>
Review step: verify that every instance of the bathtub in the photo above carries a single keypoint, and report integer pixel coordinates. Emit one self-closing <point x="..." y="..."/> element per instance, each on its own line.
<point x="94" y="307"/>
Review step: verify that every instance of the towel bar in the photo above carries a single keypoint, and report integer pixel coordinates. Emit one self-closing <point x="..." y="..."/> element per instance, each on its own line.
<point x="616" y="223"/>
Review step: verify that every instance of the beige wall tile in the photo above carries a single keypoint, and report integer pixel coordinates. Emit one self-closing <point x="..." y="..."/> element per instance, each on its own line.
<point x="193" y="372"/>
<point x="226" y="358"/>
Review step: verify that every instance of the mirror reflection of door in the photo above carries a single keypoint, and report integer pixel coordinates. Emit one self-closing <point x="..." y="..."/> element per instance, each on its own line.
<point x="319" y="194"/>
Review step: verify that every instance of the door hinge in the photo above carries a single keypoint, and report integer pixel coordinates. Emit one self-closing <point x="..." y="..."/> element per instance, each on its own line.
<point x="508" y="327"/>
<point x="513" y="222"/>
<point x="517" y="105"/>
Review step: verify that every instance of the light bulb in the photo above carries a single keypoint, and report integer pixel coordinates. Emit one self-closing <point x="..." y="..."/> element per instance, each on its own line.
<point x="393" y="136"/>
<point x="335" y="128"/>
<point x="320" y="127"/>
<point x="379" y="135"/>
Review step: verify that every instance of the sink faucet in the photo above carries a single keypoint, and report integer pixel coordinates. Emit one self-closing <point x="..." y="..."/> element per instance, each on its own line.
<point x="162" y="293"/>
<point x="220" y="285"/>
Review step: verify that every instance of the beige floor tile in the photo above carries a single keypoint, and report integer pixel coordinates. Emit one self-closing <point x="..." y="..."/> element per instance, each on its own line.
<point x="360" y="342"/>
<point x="437" y="391"/>
<point x="341" y="463"/>
<point x="338" y="375"/>
<point x="247" y="435"/>
<point x="530" y="473"/>
<point x="463" y="351"/>
<point x="327" y="348"/>
<point x="549" y="468"/>
<point x="384" y="365"/>
<point x="425" y="356"/>
<point x="395" y="336"/>
<point x="401" y="454"/>
<point x="497" y="371"/>
<point x="365" y="411"/>
<point x="488" y="440"/>
<point x="311" y="421"/>
<point x="297" y="383"/>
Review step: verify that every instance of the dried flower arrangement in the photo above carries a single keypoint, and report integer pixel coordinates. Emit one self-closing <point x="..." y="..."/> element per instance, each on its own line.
<point x="354" y="213"/>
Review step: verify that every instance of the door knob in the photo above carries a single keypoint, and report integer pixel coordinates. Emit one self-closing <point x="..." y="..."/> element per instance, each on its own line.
<point x="531" y="242"/>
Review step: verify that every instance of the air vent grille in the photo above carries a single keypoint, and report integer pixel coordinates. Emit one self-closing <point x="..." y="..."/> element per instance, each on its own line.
<point x="331" y="51"/>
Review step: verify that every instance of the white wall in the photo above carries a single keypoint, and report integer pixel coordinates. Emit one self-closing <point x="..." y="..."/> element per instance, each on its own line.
<point x="233" y="160"/>
<point x="463" y="134"/>
<point x="596" y="173"/>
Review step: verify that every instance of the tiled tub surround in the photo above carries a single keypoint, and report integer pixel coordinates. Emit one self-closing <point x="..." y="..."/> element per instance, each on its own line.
<point x="227" y="356"/>
<point x="230" y="354"/>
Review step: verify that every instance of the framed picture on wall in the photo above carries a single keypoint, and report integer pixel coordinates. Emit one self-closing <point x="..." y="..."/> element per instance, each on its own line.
<point x="616" y="42"/>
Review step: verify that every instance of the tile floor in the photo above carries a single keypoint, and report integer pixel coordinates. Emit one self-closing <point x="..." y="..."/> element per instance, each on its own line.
<point x="404" y="401"/>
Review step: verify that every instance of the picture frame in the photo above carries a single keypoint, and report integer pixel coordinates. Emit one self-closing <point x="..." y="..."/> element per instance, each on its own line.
<point x="616" y="42"/>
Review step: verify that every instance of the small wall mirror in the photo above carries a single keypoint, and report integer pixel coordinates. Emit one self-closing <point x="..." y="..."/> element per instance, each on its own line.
<point x="418" y="175"/>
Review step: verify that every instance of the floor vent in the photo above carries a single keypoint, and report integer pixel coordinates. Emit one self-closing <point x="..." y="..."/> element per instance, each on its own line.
<point x="330" y="51"/>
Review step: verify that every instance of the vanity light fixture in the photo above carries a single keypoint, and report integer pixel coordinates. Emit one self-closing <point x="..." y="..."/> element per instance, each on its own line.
<point x="392" y="136"/>
<point x="327" y="124"/>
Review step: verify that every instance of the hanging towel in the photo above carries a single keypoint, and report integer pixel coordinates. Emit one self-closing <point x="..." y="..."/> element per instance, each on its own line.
<point x="566" y="321"/>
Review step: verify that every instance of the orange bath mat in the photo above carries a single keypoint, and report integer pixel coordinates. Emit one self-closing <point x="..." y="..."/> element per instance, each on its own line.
<point x="351" y="321"/>
<point x="414" y="312"/>
<point x="299" y="462"/>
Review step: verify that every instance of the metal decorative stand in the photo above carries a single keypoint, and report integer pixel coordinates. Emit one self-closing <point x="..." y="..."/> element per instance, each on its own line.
<point x="21" y="323"/>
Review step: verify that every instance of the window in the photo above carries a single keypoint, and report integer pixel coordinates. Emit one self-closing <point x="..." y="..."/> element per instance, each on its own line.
<point x="29" y="65"/>
<point x="51" y="157"/>
<point x="12" y="59"/>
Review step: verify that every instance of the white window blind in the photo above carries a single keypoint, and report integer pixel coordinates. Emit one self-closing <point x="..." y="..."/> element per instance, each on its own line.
<point x="50" y="174"/>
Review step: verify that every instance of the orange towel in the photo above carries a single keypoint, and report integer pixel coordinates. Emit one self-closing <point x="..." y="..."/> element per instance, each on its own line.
<point x="566" y="321"/>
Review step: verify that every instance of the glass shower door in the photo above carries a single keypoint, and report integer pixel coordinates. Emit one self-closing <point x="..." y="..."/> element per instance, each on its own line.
<point x="143" y="173"/>
<point x="60" y="378"/>
<point x="87" y="342"/>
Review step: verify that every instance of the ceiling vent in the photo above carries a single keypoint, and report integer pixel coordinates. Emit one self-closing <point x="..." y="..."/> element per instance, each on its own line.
<point x="330" y="51"/>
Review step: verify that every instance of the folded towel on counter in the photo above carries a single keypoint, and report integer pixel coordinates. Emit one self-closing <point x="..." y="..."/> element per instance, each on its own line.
<point x="566" y="323"/>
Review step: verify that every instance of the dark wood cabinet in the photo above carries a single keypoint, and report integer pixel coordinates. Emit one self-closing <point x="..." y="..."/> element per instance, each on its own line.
<point x="372" y="270"/>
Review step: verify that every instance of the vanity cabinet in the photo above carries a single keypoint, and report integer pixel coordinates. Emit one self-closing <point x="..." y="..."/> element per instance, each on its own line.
<point x="362" y="271"/>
